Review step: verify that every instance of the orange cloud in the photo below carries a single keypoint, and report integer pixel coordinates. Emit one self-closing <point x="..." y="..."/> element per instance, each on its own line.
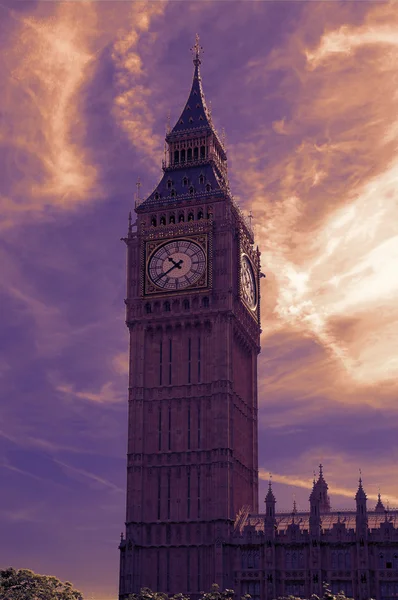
<point x="326" y="202"/>
<point x="47" y="62"/>
<point x="132" y="105"/>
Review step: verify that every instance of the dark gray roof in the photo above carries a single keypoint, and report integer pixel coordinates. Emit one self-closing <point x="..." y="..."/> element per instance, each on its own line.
<point x="195" y="113"/>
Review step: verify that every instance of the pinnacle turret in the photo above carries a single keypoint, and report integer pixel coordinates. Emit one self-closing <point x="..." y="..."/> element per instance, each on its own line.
<point x="380" y="508"/>
<point x="360" y="495"/>
<point x="320" y="492"/>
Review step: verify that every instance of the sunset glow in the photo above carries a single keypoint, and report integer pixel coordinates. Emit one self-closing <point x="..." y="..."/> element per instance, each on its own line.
<point x="307" y="95"/>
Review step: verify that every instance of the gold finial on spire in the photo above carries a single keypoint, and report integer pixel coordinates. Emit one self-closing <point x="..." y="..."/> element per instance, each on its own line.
<point x="168" y="128"/>
<point x="196" y="50"/>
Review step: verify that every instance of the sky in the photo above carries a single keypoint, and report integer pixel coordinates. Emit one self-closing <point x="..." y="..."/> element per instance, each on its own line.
<point x="307" y="95"/>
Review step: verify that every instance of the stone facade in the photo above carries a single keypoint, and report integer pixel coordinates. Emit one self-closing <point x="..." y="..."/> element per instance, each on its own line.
<point x="193" y="314"/>
<point x="281" y="554"/>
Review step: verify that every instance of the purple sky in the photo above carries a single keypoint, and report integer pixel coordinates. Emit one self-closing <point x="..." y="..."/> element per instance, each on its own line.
<point x="306" y="92"/>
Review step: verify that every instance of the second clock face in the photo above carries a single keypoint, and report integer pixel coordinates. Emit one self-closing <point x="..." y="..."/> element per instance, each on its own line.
<point x="176" y="265"/>
<point x="248" y="283"/>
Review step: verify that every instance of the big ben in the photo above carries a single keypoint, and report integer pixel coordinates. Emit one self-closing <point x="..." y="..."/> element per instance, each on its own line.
<point x="193" y="314"/>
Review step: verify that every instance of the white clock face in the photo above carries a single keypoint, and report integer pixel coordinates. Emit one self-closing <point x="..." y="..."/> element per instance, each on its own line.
<point x="248" y="283"/>
<point x="177" y="264"/>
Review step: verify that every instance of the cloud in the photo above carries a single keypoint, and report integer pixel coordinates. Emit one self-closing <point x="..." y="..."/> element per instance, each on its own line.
<point x="86" y="476"/>
<point x="46" y="163"/>
<point x="106" y="395"/>
<point x="132" y="108"/>
<point x="325" y="197"/>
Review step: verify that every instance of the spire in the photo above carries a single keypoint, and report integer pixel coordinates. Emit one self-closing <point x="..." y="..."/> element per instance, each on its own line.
<point x="294" y="511"/>
<point x="195" y="161"/>
<point x="320" y="492"/>
<point x="360" y="495"/>
<point x="380" y="508"/>
<point x="270" y="494"/>
<point x="195" y="114"/>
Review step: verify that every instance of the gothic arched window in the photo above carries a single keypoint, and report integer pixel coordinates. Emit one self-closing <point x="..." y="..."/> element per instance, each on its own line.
<point x="208" y="187"/>
<point x="166" y="306"/>
<point x="205" y="302"/>
<point x="185" y="304"/>
<point x="196" y="153"/>
<point x="183" y="155"/>
<point x="190" y="217"/>
<point x="191" y="190"/>
<point x="200" y="215"/>
<point x="169" y="183"/>
<point x="185" y="181"/>
<point x="172" y="219"/>
<point x="148" y="308"/>
<point x="189" y="154"/>
<point x="153" y="221"/>
<point x="201" y="179"/>
<point x="181" y="218"/>
<point x="173" y="193"/>
<point x="176" y="156"/>
<point x="203" y="152"/>
<point x="162" y="220"/>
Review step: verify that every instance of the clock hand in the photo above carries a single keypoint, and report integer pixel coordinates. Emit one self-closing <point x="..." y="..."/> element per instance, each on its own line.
<point x="174" y="262"/>
<point x="175" y="266"/>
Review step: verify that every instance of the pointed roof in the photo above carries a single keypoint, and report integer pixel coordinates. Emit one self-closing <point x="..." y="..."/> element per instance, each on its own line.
<point x="380" y="508"/>
<point x="195" y="113"/>
<point x="270" y="494"/>
<point x="320" y="492"/>
<point x="360" y="495"/>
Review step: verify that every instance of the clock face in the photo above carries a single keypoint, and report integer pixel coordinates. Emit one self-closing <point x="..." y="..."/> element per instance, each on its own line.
<point x="248" y="283"/>
<point x="176" y="265"/>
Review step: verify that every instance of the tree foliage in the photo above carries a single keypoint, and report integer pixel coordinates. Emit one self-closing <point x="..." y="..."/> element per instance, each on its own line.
<point x="327" y="595"/>
<point x="216" y="594"/>
<point x="23" y="584"/>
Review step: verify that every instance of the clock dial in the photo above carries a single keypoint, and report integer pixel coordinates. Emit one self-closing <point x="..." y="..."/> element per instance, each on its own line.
<point x="177" y="264"/>
<point x="248" y="283"/>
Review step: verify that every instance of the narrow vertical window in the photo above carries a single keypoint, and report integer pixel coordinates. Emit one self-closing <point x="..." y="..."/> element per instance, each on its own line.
<point x="199" y="415"/>
<point x="160" y="427"/>
<point x="199" y="359"/>
<point x="170" y="359"/>
<point x="189" y="426"/>
<point x="158" y="570"/>
<point x="189" y="493"/>
<point x="188" y="570"/>
<point x="199" y="493"/>
<point x="189" y="359"/>
<point x="160" y="362"/>
<point x="199" y="567"/>
<point x="169" y="440"/>
<point x="168" y="569"/>
<point x="159" y="493"/>
<point x="168" y="493"/>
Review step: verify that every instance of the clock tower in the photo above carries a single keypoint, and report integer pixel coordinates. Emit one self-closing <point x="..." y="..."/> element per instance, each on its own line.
<point x="193" y="314"/>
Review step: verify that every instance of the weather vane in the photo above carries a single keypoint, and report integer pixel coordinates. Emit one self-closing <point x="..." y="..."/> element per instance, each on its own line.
<point x="197" y="48"/>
